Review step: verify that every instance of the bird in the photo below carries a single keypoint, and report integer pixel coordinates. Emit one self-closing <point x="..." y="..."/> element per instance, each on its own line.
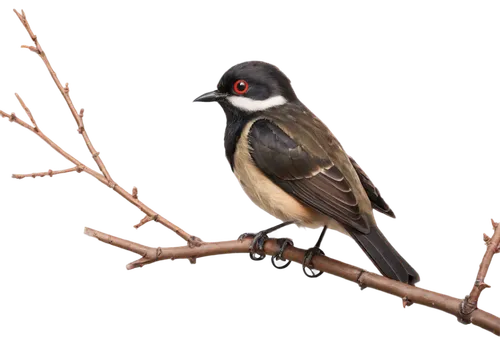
<point x="291" y="165"/>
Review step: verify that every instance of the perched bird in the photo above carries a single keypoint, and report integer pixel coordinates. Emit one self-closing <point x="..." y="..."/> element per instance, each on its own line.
<point x="290" y="165"/>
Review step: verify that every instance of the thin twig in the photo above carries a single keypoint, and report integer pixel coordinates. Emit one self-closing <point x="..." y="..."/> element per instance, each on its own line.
<point x="28" y="112"/>
<point x="46" y="173"/>
<point x="65" y="93"/>
<point x="139" y="204"/>
<point x="105" y="179"/>
<point x="469" y="303"/>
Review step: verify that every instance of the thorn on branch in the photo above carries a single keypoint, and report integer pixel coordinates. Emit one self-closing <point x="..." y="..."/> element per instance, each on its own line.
<point x="67" y="86"/>
<point x="81" y="112"/>
<point x="80" y="168"/>
<point x="471" y="300"/>
<point x="361" y="285"/>
<point x="481" y="285"/>
<point x="486" y="237"/>
<point x="134" y="191"/>
<point x="193" y="261"/>
<point x="31" y="48"/>
<point x="406" y="302"/>
<point x="12" y="117"/>
<point x="146" y="219"/>
<point x="80" y="129"/>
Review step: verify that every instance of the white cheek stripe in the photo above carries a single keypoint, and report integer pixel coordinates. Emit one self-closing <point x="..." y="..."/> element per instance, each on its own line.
<point x="252" y="105"/>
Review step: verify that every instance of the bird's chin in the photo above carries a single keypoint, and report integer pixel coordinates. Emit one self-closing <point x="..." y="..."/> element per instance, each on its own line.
<point x="224" y="105"/>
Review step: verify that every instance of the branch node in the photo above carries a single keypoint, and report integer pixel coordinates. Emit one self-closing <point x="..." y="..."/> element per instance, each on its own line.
<point x="406" y="302"/>
<point x="465" y="310"/>
<point x="111" y="184"/>
<point x="194" y="241"/>
<point x="31" y="48"/>
<point x="157" y="254"/>
<point x="81" y="129"/>
<point x="95" y="155"/>
<point x="135" y="193"/>
<point x="67" y="86"/>
<point x="39" y="48"/>
<point x="146" y="219"/>
<point x="80" y="168"/>
<point x="361" y="285"/>
<point x="483" y="285"/>
<point x="50" y="172"/>
<point x="12" y="117"/>
<point x="81" y="113"/>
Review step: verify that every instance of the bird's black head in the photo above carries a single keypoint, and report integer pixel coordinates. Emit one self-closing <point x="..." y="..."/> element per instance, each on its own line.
<point x="250" y="87"/>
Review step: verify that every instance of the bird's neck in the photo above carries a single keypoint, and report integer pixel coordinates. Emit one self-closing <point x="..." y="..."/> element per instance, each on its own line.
<point x="235" y="122"/>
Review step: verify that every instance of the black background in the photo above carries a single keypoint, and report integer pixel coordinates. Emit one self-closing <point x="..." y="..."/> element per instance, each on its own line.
<point x="417" y="110"/>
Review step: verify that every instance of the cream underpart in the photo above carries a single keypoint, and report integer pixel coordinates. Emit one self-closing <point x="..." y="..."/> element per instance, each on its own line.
<point x="270" y="197"/>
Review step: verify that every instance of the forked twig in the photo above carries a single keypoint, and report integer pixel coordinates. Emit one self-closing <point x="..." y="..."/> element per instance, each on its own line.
<point x="469" y="303"/>
<point x="65" y="93"/>
<point x="104" y="178"/>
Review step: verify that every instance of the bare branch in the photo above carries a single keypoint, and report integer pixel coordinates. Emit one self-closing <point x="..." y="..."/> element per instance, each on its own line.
<point x="129" y="197"/>
<point x="65" y="92"/>
<point x="46" y="173"/>
<point x="409" y="294"/>
<point x="27" y="111"/>
<point x="102" y="175"/>
<point x="143" y="222"/>
<point x="469" y="303"/>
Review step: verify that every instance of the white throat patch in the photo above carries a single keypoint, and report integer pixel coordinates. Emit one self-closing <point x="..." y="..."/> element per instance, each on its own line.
<point x="252" y="105"/>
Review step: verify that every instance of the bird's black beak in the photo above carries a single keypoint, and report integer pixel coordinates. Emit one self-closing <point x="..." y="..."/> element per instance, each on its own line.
<point x="213" y="96"/>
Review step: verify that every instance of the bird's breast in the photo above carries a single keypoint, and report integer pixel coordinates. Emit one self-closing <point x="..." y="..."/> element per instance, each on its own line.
<point x="267" y="195"/>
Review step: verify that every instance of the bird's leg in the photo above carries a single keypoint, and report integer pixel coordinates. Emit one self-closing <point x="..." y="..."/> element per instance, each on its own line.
<point x="283" y="243"/>
<point x="313" y="251"/>
<point x="261" y="237"/>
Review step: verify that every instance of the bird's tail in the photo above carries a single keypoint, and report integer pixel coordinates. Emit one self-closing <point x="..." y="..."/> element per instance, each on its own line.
<point x="388" y="261"/>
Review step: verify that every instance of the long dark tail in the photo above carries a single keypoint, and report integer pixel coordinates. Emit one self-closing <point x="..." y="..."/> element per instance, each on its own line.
<point x="388" y="261"/>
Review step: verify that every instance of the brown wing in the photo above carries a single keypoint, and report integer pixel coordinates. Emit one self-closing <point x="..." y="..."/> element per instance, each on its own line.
<point x="378" y="203"/>
<point x="312" y="179"/>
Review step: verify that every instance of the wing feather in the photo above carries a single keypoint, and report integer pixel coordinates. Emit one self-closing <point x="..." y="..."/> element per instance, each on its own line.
<point x="312" y="179"/>
<point x="378" y="203"/>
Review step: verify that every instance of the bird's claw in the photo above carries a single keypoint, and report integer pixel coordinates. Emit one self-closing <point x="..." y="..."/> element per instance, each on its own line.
<point x="307" y="263"/>
<point x="256" y="258"/>
<point x="259" y="240"/>
<point x="257" y="245"/>
<point x="279" y="256"/>
<point x="245" y="235"/>
<point x="310" y="253"/>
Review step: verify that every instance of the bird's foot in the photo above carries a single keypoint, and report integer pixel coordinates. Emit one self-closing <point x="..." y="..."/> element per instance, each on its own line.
<point x="245" y="235"/>
<point x="307" y="263"/>
<point x="279" y="256"/>
<point x="259" y="239"/>
<point x="257" y="246"/>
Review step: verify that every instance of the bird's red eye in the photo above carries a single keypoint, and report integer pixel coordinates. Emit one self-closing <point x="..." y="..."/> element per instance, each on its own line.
<point x="240" y="87"/>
